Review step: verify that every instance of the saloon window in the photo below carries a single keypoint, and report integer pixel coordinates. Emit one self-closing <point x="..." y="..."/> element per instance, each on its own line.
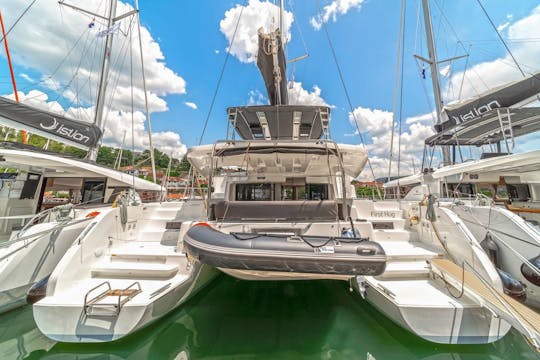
<point x="253" y="192"/>
<point x="518" y="192"/>
<point x="304" y="192"/>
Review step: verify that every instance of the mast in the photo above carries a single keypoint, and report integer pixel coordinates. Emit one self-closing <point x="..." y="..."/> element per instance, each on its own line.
<point x="434" y="67"/>
<point x="281" y="30"/>
<point x="100" y="103"/>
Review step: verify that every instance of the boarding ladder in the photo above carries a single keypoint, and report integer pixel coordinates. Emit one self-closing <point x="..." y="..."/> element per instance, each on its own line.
<point x="505" y="121"/>
<point x="521" y="317"/>
<point x="102" y="305"/>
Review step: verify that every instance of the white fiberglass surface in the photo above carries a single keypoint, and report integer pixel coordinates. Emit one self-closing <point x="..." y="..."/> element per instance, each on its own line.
<point x="422" y="293"/>
<point x="397" y="249"/>
<point x="75" y="295"/>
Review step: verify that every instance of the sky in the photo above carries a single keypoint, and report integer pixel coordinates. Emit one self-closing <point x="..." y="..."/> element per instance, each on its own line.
<point x="57" y="56"/>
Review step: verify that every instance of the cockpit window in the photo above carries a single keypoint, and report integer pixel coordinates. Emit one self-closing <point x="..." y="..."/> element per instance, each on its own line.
<point x="254" y="192"/>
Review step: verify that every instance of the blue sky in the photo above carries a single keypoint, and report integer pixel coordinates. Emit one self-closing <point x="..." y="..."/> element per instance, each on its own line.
<point x="364" y="34"/>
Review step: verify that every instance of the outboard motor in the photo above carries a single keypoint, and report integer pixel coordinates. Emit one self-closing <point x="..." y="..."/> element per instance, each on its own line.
<point x="37" y="291"/>
<point x="529" y="273"/>
<point x="512" y="287"/>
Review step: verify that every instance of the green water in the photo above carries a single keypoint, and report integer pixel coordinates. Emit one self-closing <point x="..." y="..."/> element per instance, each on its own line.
<point x="233" y="319"/>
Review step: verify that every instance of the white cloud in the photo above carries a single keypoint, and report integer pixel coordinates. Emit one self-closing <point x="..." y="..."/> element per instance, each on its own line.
<point x="256" y="98"/>
<point x="118" y="124"/>
<point x="487" y="75"/>
<point x="27" y="78"/>
<point x="332" y="10"/>
<point x="300" y="96"/>
<point x="378" y="125"/>
<point x="191" y="105"/>
<point x="503" y="26"/>
<point x="216" y="51"/>
<point x="255" y="15"/>
<point x="445" y="71"/>
<point x="428" y="118"/>
<point x="46" y="41"/>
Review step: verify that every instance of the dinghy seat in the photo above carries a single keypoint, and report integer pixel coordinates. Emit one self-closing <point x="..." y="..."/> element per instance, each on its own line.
<point x="135" y="270"/>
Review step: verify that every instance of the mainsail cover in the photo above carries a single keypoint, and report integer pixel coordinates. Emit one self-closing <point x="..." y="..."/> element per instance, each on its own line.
<point x="504" y="96"/>
<point x="23" y="117"/>
<point x="265" y="63"/>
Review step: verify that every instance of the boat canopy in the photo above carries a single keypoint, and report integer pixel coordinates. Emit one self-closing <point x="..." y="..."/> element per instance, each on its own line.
<point x="404" y="181"/>
<point x="306" y="158"/>
<point x="81" y="134"/>
<point x="287" y="122"/>
<point x="503" y="165"/>
<point x="54" y="165"/>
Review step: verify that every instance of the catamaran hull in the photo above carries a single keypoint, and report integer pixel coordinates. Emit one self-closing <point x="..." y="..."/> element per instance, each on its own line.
<point x="252" y="254"/>
<point x="440" y="324"/>
<point x="27" y="261"/>
<point x="71" y="324"/>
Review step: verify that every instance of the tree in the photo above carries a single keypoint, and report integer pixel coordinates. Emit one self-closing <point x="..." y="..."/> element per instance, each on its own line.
<point x="106" y="156"/>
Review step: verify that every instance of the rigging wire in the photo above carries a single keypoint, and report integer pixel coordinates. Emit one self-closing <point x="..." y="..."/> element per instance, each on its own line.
<point x="399" y="58"/>
<point x="17" y="20"/>
<point x="132" y="104"/>
<point x="401" y="93"/>
<point x="348" y="97"/>
<point x="218" y="85"/>
<point x="501" y="38"/>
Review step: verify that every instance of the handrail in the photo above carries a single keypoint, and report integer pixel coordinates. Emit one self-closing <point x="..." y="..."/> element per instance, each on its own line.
<point x="128" y="293"/>
<point x="35" y="237"/>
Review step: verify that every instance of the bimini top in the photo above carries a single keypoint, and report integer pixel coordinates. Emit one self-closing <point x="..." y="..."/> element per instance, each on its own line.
<point x="280" y="122"/>
<point x="52" y="165"/>
<point x="502" y="165"/>
<point x="405" y="181"/>
<point x="297" y="158"/>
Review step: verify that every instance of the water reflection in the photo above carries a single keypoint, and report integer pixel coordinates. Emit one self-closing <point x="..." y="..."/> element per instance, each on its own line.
<point x="273" y="320"/>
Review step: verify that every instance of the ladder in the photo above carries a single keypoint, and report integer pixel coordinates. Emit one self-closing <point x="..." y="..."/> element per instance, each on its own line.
<point x="505" y="122"/>
<point x="99" y="302"/>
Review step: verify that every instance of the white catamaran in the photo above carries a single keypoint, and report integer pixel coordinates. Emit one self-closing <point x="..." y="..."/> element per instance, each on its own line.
<point x="281" y="206"/>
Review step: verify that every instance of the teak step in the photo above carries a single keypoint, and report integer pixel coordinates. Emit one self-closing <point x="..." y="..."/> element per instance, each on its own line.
<point x="98" y="305"/>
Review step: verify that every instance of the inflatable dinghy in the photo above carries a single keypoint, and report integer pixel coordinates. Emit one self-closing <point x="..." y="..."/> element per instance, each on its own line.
<point x="270" y="252"/>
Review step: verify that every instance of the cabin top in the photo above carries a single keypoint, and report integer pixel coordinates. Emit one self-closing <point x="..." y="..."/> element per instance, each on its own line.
<point x="53" y="165"/>
<point x="295" y="158"/>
